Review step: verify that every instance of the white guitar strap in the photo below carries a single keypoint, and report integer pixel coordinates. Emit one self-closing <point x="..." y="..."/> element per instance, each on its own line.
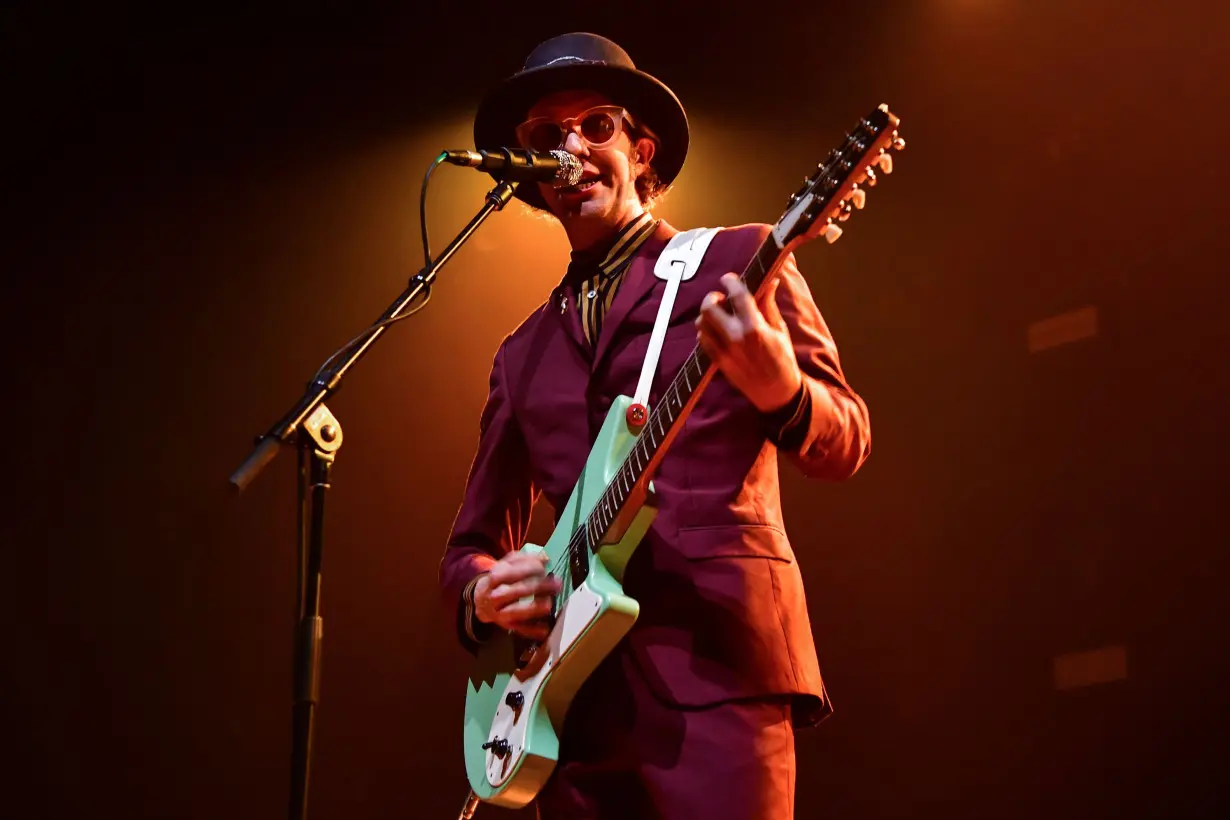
<point x="678" y="262"/>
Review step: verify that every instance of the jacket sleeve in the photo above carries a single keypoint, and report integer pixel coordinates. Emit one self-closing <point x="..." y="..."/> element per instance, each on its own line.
<point x="826" y="430"/>
<point x="495" y="510"/>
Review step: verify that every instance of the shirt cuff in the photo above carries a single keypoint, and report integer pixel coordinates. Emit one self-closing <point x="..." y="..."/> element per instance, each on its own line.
<point x="787" y="426"/>
<point x="474" y="630"/>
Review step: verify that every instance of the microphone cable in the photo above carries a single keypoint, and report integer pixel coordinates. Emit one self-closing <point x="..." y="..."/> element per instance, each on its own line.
<point x="423" y="298"/>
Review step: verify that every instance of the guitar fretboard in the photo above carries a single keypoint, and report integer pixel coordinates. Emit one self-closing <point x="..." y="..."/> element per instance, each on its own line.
<point x="666" y="419"/>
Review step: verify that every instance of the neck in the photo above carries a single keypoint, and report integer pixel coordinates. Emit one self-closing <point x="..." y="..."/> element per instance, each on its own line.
<point x="588" y="233"/>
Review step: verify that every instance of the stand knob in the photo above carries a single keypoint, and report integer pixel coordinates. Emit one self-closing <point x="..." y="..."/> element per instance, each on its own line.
<point x="499" y="747"/>
<point x="514" y="700"/>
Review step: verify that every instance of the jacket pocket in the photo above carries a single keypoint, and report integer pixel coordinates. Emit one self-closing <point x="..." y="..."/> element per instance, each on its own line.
<point x="734" y="541"/>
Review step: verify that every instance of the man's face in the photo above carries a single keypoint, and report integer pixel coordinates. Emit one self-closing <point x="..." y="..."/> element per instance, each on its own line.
<point x="607" y="190"/>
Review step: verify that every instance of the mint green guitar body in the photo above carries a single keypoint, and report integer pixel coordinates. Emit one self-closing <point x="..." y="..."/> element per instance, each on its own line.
<point x="516" y="702"/>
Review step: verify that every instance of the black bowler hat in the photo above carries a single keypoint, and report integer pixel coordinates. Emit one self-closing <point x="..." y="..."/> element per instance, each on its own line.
<point x="584" y="62"/>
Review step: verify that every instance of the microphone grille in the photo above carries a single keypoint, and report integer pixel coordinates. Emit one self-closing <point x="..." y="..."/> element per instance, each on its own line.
<point x="570" y="169"/>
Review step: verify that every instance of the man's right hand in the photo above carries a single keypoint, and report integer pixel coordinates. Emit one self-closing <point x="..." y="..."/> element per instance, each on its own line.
<point x="498" y="594"/>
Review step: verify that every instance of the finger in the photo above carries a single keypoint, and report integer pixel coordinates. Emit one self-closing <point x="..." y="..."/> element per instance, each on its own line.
<point x="516" y="566"/>
<point x="740" y="297"/>
<point x="539" y="606"/>
<point x="714" y="347"/>
<point x="720" y="322"/>
<point x="715" y="328"/>
<point x="508" y="593"/>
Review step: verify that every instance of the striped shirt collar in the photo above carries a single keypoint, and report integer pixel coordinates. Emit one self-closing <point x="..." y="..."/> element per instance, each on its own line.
<point x="621" y="248"/>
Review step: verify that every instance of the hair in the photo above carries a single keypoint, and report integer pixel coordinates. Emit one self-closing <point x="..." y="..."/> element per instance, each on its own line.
<point x="649" y="186"/>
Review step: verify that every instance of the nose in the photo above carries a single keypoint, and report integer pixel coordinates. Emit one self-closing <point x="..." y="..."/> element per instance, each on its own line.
<point x="574" y="145"/>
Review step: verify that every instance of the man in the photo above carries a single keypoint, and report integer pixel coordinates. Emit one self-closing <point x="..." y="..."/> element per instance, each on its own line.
<point x="693" y="714"/>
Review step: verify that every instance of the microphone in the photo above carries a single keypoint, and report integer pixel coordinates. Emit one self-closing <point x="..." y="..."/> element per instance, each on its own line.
<point x="560" y="168"/>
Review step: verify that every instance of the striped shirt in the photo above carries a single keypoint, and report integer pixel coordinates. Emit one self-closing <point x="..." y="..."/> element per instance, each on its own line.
<point x="597" y="289"/>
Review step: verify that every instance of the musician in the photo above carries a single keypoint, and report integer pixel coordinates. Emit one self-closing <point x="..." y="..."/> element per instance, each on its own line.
<point x="693" y="714"/>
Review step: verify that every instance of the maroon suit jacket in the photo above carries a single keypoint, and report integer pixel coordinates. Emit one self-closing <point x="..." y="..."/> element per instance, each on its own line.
<point x="723" y="613"/>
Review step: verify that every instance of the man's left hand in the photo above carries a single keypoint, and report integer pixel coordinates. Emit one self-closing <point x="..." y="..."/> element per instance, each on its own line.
<point x="751" y="343"/>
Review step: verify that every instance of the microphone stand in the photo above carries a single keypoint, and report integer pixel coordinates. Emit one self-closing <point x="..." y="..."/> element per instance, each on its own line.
<point x="317" y="435"/>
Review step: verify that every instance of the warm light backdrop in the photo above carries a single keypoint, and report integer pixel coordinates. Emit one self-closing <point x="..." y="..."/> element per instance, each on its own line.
<point x="1019" y="603"/>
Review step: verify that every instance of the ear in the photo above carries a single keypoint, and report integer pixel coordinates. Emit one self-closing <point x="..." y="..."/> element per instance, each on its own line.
<point x="643" y="150"/>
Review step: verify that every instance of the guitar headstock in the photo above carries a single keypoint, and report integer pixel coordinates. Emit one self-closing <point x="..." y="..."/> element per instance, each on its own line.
<point x="839" y="185"/>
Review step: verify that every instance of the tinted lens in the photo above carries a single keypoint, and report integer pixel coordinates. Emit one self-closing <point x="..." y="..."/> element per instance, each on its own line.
<point x="598" y="128"/>
<point x="545" y="136"/>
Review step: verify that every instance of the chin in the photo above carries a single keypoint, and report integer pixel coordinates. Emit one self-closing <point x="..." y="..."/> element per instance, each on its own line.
<point x="596" y="206"/>
<point x="590" y="207"/>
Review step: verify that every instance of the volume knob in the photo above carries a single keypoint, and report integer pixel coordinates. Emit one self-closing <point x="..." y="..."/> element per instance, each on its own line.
<point x="514" y="700"/>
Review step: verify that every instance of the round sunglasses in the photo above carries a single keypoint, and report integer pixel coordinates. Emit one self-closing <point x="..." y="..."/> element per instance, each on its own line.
<point x="598" y="126"/>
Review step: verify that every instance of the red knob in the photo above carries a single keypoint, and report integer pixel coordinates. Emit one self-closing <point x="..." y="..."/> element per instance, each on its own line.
<point x="636" y="416"/>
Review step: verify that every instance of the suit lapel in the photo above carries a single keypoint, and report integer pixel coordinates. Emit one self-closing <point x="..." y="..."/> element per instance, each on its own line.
<point x="563" y="306"/>
<point x="637" y="285"/>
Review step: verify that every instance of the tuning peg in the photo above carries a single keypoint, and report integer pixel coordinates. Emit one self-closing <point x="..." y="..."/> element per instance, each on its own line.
<point x="858" y="198"/>
<point x="847" y="208"/>
<point x="885" y="161"/>
<point x="899" y="144"/>
<point x="831" y="233"/>
<point x="872" y="179"/>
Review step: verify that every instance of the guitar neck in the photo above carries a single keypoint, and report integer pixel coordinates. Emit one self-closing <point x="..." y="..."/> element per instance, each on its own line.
<point x="630" y="483"/>
<point x="828" y="196"/>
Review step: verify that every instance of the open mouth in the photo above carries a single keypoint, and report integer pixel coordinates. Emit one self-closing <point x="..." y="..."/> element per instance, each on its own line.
<point x="584" y="185"/>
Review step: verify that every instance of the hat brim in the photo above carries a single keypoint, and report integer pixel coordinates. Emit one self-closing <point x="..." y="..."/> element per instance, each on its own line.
<point x="648" y="100"/>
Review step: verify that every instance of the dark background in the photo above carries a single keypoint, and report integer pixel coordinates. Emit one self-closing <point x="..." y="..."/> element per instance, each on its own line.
<point x="207" y="200"/>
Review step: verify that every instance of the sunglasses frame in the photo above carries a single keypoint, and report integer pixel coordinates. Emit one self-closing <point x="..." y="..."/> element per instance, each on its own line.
<point x="570" y="125"/>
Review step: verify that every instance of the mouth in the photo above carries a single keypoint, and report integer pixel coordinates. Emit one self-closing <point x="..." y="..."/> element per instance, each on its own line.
<point x="586" y="183"/>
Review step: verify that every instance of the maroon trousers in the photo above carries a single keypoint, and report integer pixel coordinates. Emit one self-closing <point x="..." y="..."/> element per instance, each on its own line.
<point x="626" y="754"/>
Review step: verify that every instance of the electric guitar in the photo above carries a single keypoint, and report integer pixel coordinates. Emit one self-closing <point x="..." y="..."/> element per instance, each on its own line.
<point x="520" y="691"/>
